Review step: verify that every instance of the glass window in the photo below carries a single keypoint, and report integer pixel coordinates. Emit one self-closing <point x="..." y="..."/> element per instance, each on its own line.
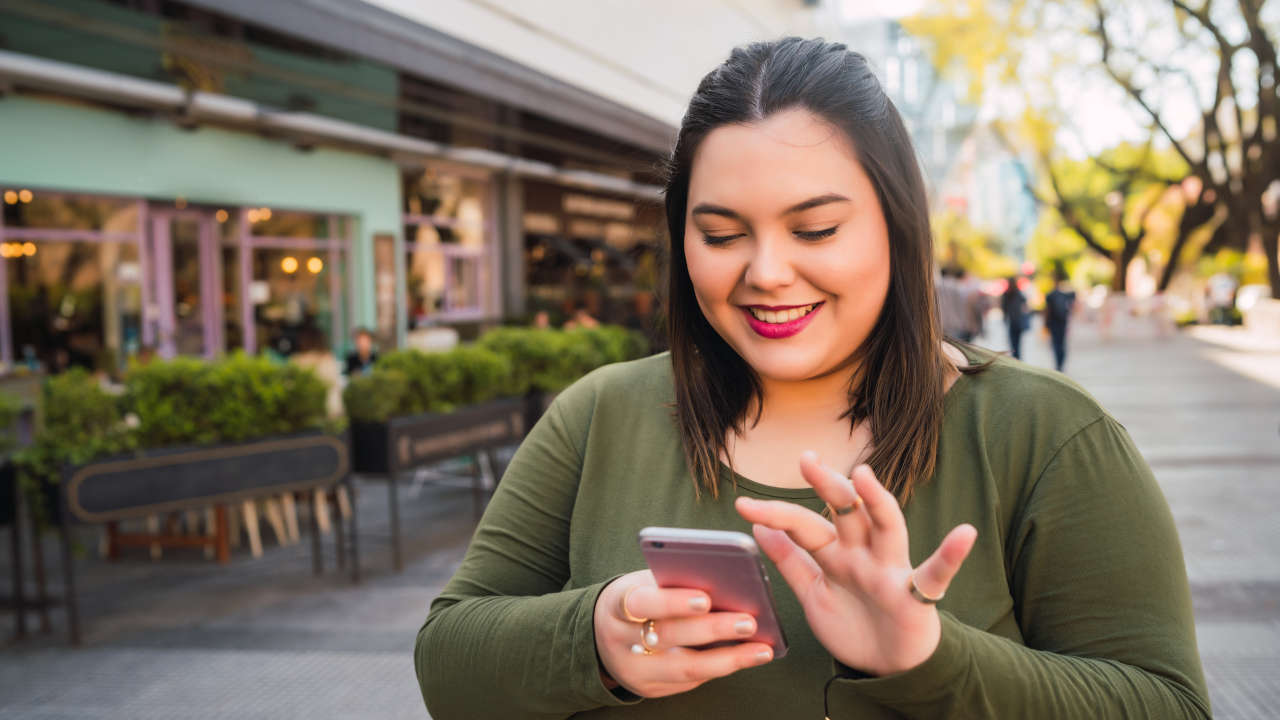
<point x="294" y="308"/>
<point x="448" y="256"/>
<point x="73" y="304"/>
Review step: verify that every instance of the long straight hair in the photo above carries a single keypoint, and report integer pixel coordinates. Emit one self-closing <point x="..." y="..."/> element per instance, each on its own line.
<point x="898" y="386"/>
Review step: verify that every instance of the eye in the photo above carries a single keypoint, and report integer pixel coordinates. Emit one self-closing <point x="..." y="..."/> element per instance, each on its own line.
<point x="817" y="234"/>
<point x="718" y="239"/>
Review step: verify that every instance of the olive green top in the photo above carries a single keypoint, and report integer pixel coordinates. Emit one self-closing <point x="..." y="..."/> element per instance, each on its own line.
<point x="1073" y="604"/>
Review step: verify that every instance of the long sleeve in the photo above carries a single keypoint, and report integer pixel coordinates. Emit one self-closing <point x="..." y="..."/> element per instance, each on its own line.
<point x="1101" y="597"/>
<point x="506" y="639"/>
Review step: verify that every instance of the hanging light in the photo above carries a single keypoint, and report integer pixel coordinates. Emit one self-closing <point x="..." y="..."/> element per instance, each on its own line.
<point x="252" y="215"/>
<point x="6" y="250"/>
<point x="289" y="264"/>
<point x="221" y="215"/>
<point x="315" y="265"/>
<point x="10" y="197"/>
<point x="25" y="196"/>
<point x="28" y="249"/>
<point x="264" y="213"/>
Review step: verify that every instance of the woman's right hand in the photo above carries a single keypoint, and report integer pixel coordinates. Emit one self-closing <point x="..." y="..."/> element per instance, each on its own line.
<point x="682" y="621"/>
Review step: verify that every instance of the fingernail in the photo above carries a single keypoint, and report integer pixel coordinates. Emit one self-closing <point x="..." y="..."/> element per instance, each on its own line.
<point x="700" y="604"/>
<point x="764" y="656"/>
<point x="809" y="455"/>
<point x="744" y="627"/>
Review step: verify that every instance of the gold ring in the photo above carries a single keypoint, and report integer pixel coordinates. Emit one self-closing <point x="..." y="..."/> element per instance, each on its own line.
<point x="627" y="613"/>
<point x="915" y="592"/>
<point x="857" y="503"/>
<point x="648" y="636"/>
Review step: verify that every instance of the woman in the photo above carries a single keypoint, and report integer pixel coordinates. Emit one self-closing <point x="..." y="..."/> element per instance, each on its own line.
<point x="805" y="351"/>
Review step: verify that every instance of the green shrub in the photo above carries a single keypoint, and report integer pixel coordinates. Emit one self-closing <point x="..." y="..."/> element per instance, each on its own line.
<point x="377" y="396"/>
<point x="190" y="401"/>
<point x="10" y="411"/>
<point x="82" y="421"/>
<point x="507" y="361"/>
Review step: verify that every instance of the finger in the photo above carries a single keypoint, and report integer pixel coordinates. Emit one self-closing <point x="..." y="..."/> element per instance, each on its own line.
<point x="653" y="602"/>
<point x="807" y="528"/>
<point x="797" y="567"/>
<point x="935" y="574"/>
<point x="691" y="632"/>
<point x="853" y="527"/>
<point x="684" y="665"/>
<point x="888" y="527"/>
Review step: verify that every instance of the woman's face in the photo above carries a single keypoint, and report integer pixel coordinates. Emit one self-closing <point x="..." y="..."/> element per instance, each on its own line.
<point x="786" y="244"/>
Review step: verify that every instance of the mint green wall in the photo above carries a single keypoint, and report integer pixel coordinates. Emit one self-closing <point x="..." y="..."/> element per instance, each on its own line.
<point x="65" y="146"/>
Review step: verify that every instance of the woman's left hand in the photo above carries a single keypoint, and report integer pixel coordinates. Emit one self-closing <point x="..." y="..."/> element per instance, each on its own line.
<point x="853" y="576"/>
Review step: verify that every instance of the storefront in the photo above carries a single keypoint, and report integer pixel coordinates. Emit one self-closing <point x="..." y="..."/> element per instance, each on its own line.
<point x="588" y="250"/>
<point x="124" y="237"/>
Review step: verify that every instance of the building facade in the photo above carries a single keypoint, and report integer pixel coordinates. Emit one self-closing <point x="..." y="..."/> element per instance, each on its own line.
<point x="208" y="176"/>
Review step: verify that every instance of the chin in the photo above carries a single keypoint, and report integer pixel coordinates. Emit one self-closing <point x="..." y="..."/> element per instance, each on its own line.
<point x="783" y="366"/>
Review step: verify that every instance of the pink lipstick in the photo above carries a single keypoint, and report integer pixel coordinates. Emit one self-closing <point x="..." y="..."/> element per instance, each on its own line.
<point x="775" y="331"/>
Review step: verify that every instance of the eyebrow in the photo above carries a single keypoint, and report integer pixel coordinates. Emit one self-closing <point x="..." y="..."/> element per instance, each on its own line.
<point x="709" y="209"/>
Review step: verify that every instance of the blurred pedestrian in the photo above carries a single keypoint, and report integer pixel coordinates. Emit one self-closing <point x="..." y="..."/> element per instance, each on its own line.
<point x="1058" y="305"/>
<point x="362" y="358"/>
<point x="1014" y="305"/>
<point x="952" y="304"/>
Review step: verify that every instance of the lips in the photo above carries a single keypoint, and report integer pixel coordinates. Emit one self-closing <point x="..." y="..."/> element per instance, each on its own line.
<point x="778" y="330"/>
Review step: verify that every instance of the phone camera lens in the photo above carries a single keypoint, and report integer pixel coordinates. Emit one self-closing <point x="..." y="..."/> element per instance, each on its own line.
<point x="659" y="545"/>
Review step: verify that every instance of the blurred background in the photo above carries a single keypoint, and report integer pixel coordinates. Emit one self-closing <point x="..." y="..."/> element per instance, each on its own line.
<point x="285" y="282"/>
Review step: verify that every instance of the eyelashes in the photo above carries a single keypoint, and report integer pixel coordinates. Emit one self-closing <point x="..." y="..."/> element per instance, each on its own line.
<point x="802" y="234"/>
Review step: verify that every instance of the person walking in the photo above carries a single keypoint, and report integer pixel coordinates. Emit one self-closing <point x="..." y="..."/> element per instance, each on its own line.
<point x="1014" y="305"/>
<point x="1058" y="305"/>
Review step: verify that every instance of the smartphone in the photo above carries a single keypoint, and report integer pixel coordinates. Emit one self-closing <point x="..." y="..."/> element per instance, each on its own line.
<point x="725" y="565"/>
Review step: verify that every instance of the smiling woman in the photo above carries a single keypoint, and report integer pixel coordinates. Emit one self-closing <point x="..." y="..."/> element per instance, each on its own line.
<point x="817" y="406"/>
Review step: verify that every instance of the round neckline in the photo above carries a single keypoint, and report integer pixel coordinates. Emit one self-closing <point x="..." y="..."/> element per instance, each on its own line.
<point x="958" y="389"/>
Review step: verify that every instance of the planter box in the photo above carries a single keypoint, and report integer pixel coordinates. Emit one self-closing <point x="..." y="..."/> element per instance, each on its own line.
<point x="413" y="441"/>
<point x="180" y="479"/>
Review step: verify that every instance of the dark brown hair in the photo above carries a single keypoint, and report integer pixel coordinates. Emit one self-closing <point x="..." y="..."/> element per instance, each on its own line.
<point x="899" y="383"/>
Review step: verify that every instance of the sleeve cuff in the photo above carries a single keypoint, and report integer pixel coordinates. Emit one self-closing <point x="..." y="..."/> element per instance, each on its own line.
<point x="588" y="670"/>
<point x="921" y="687"/>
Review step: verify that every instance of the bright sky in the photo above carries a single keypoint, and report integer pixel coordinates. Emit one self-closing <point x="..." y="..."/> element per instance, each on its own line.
<point x="862" y="9"/>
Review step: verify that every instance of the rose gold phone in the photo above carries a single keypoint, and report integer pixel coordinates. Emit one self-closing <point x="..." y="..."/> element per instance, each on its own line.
<point x="726" y="565"/>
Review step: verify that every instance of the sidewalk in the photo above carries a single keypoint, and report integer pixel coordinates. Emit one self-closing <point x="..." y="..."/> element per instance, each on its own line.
<point x="183" y="638"/>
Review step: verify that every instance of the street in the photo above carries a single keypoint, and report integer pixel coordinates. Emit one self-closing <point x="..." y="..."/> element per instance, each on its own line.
<point x="265" y="639"/>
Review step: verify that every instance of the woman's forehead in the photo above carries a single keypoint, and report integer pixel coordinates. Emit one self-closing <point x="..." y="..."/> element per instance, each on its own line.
<point x="785" y="158"/>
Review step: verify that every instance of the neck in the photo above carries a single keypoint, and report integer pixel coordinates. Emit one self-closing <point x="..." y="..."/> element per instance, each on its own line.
<point x="823" y="396"/>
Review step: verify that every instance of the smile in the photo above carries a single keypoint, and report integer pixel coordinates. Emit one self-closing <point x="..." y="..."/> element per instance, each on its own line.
<point x="778" y="317"/>
<point x="778" y="324"/>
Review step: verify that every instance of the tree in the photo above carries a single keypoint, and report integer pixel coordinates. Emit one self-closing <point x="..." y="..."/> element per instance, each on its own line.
<point x="1164" y="57"/>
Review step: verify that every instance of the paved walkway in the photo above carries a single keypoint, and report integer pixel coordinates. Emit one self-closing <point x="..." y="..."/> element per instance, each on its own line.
<point x="182" y="638"/>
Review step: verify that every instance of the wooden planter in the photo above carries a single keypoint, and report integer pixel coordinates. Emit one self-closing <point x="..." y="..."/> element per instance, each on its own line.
<point x="405" y="443"/>
<point x="175" y="480"/>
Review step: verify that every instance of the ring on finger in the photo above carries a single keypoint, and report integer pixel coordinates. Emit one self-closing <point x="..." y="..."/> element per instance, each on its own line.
<point x="627" y="613"/>
<point x="648" y="635"/>
<point x="857" y="503"/>
<point x="918" y="595"/>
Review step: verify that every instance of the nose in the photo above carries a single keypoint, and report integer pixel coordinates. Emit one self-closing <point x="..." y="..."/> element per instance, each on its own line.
<point x="770" y="266"/>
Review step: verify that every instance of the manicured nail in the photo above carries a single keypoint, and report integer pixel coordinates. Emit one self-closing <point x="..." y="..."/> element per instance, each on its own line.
<point x="700" y="604"/>
<point x="764" y="656"/>
<point x="809" y="455"/>
<point x="744" y="627"/>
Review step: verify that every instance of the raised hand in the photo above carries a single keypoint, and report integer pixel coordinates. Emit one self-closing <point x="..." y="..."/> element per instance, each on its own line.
<point x="853" y="576"/>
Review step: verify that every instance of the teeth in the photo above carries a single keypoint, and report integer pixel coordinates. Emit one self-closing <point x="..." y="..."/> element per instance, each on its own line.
<point x="782" y="316"/>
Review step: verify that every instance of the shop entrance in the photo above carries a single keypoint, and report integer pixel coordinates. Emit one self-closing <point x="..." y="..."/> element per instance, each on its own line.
<point x="184" y="277"/>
